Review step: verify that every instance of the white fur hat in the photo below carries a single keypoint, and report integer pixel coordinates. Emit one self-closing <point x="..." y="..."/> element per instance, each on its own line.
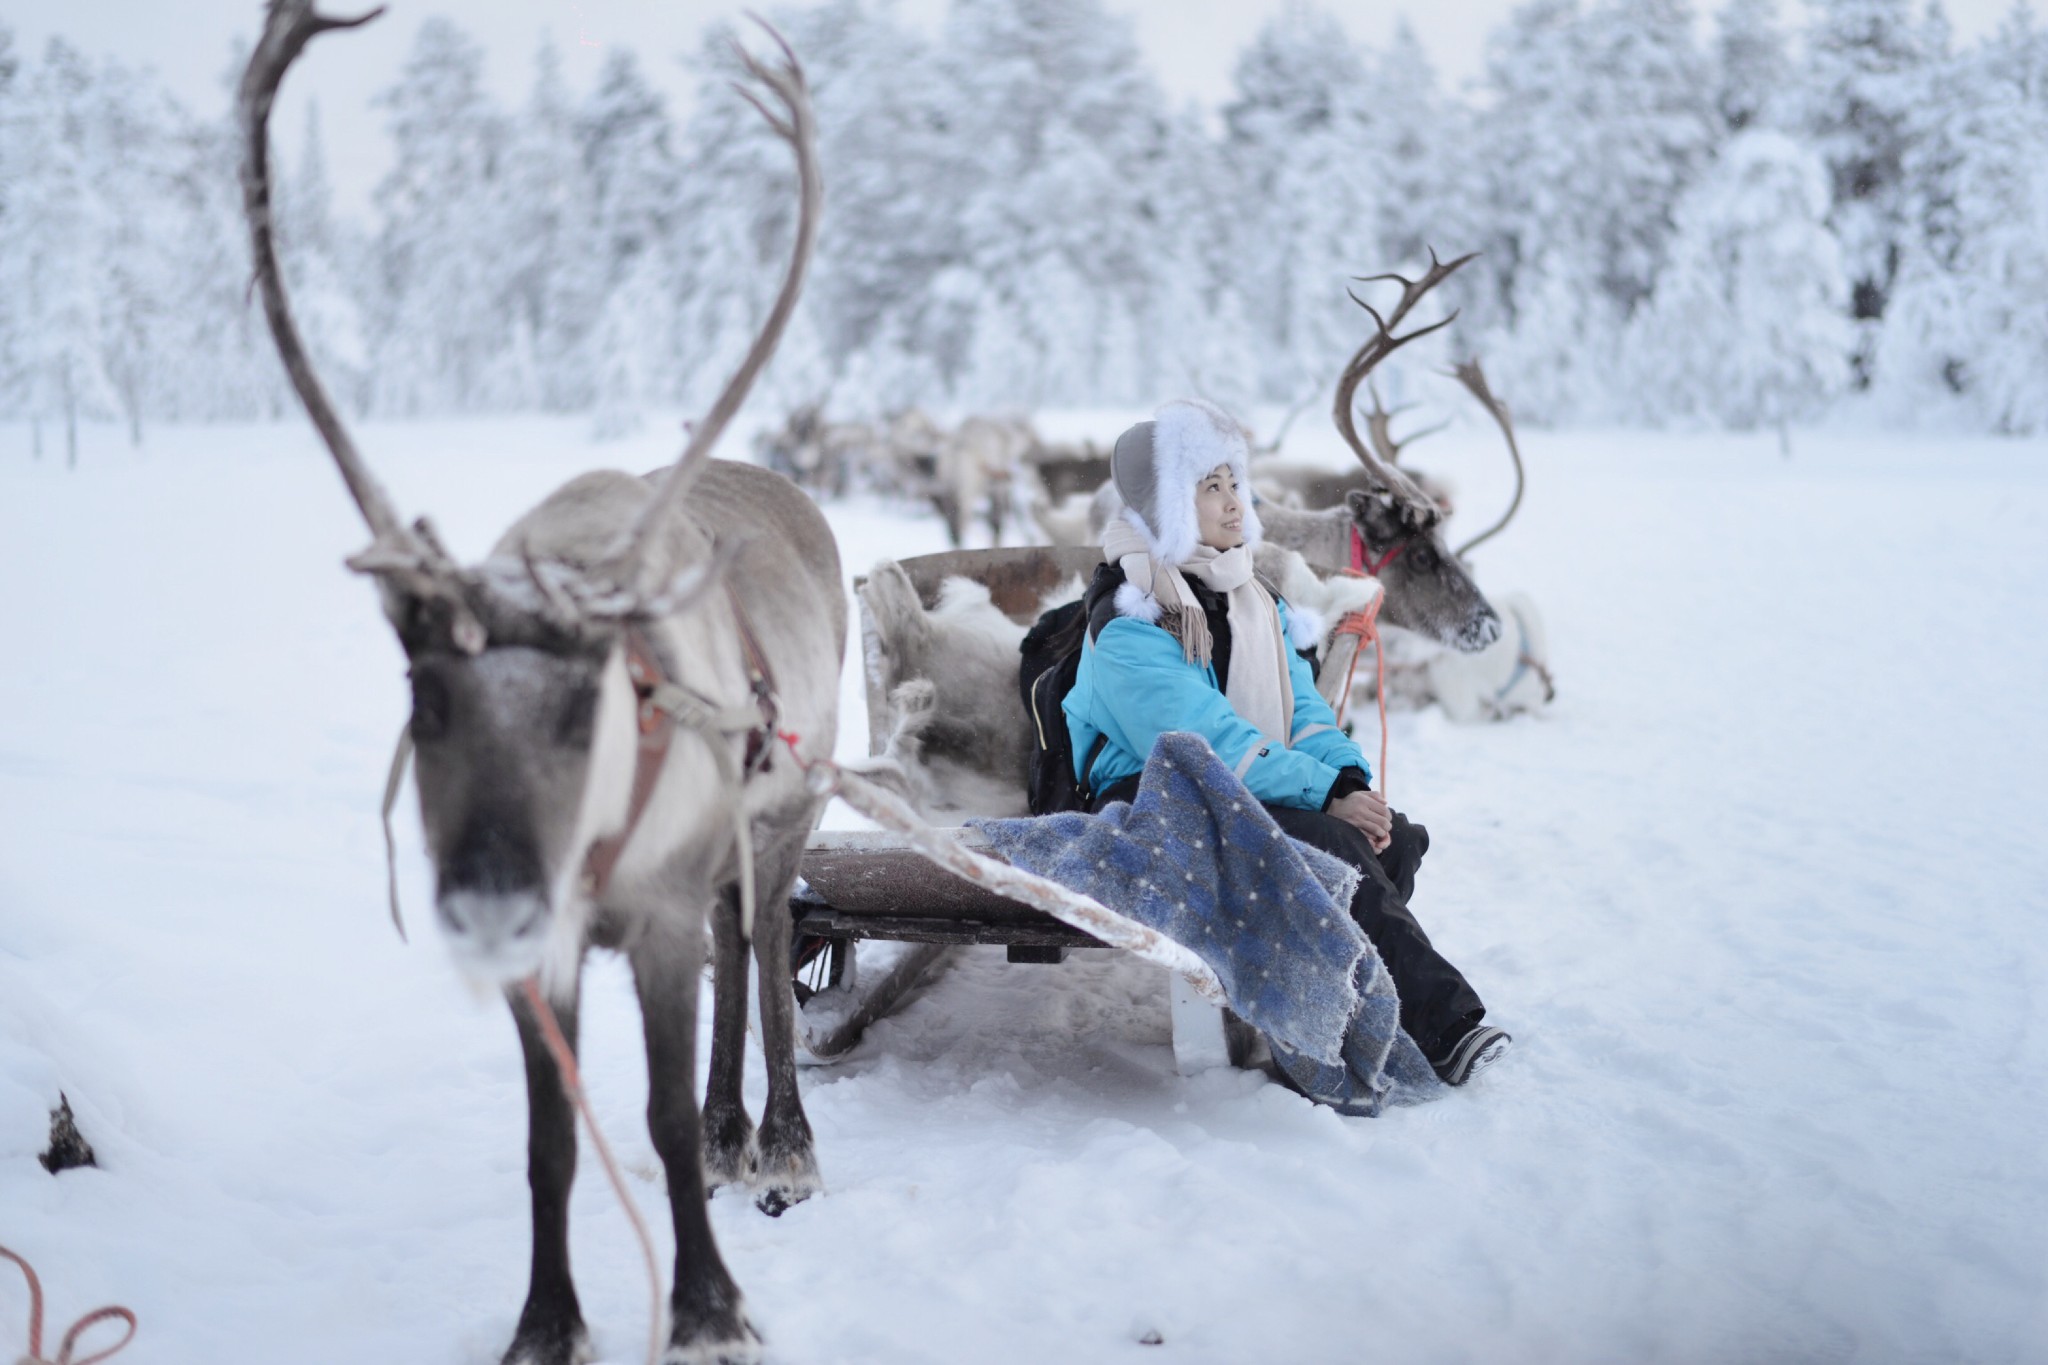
<point x="1157" y="465"/>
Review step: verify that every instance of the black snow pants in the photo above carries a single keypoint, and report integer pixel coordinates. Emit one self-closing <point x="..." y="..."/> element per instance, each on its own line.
<point x="1438" y="1006"/>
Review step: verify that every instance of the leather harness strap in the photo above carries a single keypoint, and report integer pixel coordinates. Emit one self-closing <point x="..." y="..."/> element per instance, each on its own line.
<point x="656" y="728"/>
<point x="659" y="700"/>
<point x="1360" y="563"/>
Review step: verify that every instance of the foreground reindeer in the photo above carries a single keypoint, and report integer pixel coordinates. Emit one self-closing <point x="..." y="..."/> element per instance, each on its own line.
<point x="595" y="710"/>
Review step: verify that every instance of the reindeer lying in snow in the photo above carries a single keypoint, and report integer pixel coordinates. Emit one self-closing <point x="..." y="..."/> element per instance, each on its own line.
<point x="595" y="710"/>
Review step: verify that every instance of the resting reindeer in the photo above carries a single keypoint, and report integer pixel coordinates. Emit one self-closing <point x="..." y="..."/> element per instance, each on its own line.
<point x="1392" y="529"/>
<point x="595" y="709"/>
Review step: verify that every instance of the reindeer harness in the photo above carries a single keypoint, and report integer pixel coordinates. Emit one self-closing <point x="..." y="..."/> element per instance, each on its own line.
<point x="661" y="704"/>
<point x="1370" y="565"/>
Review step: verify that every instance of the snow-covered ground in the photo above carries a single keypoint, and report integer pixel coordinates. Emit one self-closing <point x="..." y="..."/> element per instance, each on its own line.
<point x="1761" y="898"/>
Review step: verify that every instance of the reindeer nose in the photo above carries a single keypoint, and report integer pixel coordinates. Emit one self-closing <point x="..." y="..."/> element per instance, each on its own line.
<point x="1484" y="629"/>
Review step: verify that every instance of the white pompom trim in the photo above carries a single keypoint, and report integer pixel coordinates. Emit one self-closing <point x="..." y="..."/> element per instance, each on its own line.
<point x="1304" y="626"/>
<point x="1137" y="604"/>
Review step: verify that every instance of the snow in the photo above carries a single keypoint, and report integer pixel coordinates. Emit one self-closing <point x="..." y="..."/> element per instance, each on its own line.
<point x="1760" y="897"/>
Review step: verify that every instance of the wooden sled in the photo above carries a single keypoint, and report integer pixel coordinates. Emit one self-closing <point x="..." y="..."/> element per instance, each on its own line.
<point x="873" y="917"/>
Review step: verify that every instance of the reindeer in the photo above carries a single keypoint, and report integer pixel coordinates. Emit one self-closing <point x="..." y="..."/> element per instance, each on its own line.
<point x="595" y="711"/>
<point x="814" y="453"/>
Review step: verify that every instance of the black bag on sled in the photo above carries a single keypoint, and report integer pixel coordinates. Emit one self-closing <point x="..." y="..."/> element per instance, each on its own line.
<point x="1051" y="657"/>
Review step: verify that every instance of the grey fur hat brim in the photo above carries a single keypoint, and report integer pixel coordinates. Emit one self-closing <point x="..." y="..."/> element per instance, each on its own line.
<point x="1157" y="465"/>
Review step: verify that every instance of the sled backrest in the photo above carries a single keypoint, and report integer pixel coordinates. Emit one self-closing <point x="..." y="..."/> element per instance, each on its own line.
<point x="1017" y="578"/>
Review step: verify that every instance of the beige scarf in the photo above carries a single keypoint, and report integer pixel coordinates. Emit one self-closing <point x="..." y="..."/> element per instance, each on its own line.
<point x="1259" y="688"/>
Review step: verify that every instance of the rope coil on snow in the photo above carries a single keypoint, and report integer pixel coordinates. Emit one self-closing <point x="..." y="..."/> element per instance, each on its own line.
<point x="35" y="1356"/>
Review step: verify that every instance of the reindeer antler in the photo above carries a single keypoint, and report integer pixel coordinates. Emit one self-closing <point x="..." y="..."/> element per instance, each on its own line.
<point x="412" y="554"/>
<point x="1377" y="348"/>
<point x="793" y="122"/>
<point x="1379" y="427"/>
<point x="1473" y="378"/>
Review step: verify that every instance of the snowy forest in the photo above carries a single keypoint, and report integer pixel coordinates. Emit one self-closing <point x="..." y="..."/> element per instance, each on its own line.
<point x="1741" y="219"/>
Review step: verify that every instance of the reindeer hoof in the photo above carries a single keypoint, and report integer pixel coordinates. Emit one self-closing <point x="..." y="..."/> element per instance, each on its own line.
<point x="711" y="1347"/>
<point x="788" y="1170"/>
<point x="776" y="1194"/>
<point x="551" y="1344"/>
<point x="731" y="1155"/>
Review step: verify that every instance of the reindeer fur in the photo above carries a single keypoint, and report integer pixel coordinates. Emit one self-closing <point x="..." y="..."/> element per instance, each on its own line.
<point x="958" y="730"/>
<point x="493" y="801"/>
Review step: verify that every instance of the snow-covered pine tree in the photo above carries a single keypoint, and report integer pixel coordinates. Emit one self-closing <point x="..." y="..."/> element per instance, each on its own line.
<point x="734" y="213"/>
<point x="1599" y="122"/>
<point x="1310" y="177"/>
<point x="1748" y="324"/>
<point x="14" y="126"/>
<point x="554" y="271"/>
<point x="1422" y="153"/>
<point x="1751" y="63"/>
<point x="63" y="229"/>
<point x="131" y="132"/>
<point x="897" y="178"/>
<point x="441" y="324"/>
<point x="1864" y="75"/>
<point x="1063" y="123"/>
<point x="634" y="181"/>
<point x="1967" y="315"/>
<point x="319" y="256"/>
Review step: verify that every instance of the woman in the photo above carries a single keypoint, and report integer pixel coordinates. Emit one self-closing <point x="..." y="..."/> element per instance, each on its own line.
<point x="1182" y="636"/>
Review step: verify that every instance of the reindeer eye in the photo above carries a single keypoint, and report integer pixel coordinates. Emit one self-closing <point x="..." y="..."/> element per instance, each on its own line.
<point x="1422" y="557"/>
<point x="429" y="707"/>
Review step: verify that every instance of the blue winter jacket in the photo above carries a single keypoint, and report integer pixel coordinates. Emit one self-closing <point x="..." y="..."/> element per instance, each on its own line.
<point x="1135" y="684"/>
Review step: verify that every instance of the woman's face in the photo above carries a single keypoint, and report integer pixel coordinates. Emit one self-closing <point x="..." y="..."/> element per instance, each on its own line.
<point x="1218" y="511"/>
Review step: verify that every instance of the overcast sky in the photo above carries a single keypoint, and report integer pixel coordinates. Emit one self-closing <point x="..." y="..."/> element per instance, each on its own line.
<point x="1191" y="45"/>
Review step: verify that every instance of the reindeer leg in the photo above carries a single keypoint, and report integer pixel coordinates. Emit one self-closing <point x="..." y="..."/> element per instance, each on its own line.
<point x="707" y="1317"/>
<point x="550" y="1330"/>
<point x="730" y="1157"/>
<point x="788" y="1171"/>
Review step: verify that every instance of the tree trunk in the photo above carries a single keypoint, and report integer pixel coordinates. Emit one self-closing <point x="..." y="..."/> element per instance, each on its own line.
<point x="70" y="421"/>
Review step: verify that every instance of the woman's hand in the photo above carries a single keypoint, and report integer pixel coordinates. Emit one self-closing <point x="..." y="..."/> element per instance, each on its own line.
<point x="1367" y="813"/>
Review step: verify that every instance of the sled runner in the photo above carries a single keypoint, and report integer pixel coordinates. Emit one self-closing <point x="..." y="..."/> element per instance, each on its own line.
<point x="873" y="916"/>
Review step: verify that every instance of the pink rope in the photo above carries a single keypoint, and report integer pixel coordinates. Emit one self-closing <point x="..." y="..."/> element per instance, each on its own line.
<point x="78" y="1329"/>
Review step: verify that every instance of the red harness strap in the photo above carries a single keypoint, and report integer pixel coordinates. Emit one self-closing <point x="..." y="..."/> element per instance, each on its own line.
<point x="656" y="728"/>
<point x="1359" y="562"/>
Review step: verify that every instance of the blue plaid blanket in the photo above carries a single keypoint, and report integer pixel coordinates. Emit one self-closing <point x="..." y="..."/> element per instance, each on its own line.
<point x="1195" y="857"/>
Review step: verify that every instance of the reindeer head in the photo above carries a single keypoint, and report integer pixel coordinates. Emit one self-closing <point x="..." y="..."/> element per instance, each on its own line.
<point x="525" y="717"/>
<point x="507" y="742"/>
<point x="1397" y="526"/>
<point x="1429" y="590"/>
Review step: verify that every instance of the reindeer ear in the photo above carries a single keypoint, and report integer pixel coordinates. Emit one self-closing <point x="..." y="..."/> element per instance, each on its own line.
<point x="1377" y="516"/>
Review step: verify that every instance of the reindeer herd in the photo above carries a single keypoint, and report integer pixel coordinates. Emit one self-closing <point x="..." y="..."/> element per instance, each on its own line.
<point x="611" y="714"/>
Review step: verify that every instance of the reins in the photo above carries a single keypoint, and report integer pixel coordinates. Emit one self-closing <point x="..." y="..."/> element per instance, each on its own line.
<point x="1365" y="625"/>
<point x="572" y="1081"/>
<point x="111" y="1313"/>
